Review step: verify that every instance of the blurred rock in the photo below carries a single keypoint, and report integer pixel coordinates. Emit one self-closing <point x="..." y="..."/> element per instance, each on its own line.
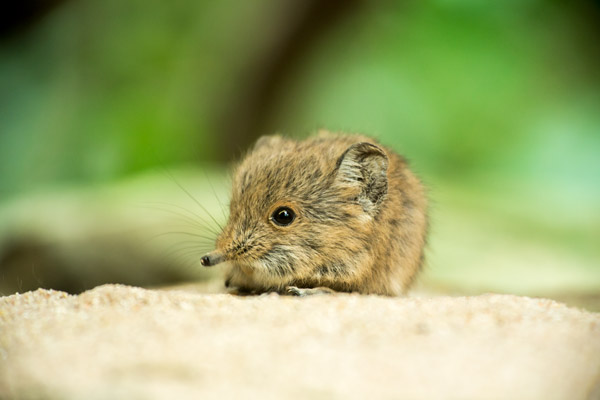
<point x="117" y="342"/>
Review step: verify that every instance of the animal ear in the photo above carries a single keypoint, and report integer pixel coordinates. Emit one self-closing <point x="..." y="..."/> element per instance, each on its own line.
<point x="268" y="141"/>
<point x="364" y="165"/>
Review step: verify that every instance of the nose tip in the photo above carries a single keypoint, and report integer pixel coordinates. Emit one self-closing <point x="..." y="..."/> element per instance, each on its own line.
<point x="211" y="259"/>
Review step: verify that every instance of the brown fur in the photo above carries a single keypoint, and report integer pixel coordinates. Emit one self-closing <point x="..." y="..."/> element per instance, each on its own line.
<point x="361" y="217"/>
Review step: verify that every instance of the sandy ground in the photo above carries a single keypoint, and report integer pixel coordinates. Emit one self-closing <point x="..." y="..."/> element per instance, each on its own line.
<point x="119" y="342"/>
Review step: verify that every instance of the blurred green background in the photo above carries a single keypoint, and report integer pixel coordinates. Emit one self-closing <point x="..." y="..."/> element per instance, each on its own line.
<point x="108" y="107"/>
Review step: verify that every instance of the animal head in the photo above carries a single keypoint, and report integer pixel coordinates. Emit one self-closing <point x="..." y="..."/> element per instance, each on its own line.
<point x="297" y="206"/>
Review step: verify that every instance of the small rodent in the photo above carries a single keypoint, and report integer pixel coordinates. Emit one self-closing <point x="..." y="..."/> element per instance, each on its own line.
<point x="331" y="213"/>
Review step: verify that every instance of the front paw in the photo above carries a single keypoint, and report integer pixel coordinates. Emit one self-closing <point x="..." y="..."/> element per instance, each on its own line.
<point x="295" y="291"/>
<point x="302" y="292"/>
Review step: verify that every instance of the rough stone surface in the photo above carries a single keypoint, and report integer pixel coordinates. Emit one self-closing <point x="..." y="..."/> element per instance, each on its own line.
<point x="119" y="342"/>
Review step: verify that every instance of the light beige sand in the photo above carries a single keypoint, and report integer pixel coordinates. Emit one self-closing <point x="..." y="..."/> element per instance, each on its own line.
<point x="118" y="342"/>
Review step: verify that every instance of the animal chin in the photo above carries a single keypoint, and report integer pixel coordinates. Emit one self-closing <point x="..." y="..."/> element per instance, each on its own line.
<point x="248" y="267"/>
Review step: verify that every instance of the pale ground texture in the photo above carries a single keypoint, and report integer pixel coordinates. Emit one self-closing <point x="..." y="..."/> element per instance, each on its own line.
<point x="119" y="342"/>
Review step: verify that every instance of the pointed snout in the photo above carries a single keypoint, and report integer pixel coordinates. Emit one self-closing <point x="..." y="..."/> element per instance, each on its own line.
<point x="212" y="258"/>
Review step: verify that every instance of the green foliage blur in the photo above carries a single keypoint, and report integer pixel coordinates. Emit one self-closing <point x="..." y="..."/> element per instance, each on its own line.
<point x="496" y="105"/>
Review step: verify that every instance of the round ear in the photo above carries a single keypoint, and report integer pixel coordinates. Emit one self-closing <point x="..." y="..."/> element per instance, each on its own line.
<point x="365" y="165"/>
<point x="268" y="141"/>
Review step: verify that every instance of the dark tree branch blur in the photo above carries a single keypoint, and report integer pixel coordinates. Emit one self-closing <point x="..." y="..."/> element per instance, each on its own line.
<point x="243" y="120"/>
<point x="17" y="16"/>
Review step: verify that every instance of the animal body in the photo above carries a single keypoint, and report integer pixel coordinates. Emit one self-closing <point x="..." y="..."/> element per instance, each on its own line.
<point x="333" y="212"/>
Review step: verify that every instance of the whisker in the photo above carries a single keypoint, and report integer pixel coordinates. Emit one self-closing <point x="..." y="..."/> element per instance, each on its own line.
<point x="196" y="231"/>
<point x="215" y="193"/>
<point x="188" y="244"/>
<point x="204" y="225"/>
<point x="192" y="197"/>
<point x="210" y="238"/>
<point x="185" y="251"/>
<point x="179" y="214"/>
<point x="177" y="235"/>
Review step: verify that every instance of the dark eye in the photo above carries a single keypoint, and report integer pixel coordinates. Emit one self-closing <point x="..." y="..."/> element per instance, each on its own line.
<point x="283" y="216"/>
